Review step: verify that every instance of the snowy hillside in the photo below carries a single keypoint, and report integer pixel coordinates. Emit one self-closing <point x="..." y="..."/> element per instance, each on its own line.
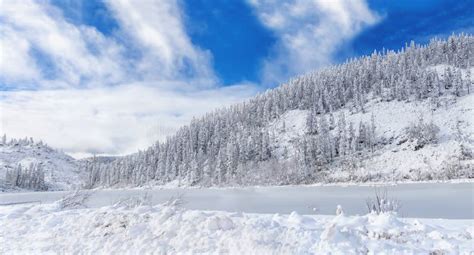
<point x="397" y="159"/>
<point x="390" y="116"/>
<point x="60" y="170"/>
<point x="170" y="229"/>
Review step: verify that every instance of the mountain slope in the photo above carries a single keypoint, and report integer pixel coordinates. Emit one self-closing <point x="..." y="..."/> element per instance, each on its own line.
<point x="357" y="121"/>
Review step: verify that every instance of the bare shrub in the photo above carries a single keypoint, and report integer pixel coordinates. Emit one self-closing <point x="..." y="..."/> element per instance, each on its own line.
<point x="382" y="203"/>
<point x="75" y="199"/>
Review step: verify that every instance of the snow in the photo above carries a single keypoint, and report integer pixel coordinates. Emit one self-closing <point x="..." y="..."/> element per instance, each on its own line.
<point x="171" y="229"/>
<point x="425" y="200"/>
<point x="402" y="160"/>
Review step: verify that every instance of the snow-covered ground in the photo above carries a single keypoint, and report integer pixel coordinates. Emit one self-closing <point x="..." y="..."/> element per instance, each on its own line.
<point x="423" y="200"/>
<point x="171" y="229"/>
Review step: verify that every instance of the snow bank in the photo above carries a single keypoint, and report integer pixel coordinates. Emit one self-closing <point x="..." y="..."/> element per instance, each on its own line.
<point x="169" y="229"/>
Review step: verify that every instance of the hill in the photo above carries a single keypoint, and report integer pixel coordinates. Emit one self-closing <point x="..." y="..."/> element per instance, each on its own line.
<point x="26" y="164"/>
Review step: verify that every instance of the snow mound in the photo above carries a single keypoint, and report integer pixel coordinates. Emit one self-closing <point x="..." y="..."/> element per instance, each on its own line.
<point x="168" y="229"/>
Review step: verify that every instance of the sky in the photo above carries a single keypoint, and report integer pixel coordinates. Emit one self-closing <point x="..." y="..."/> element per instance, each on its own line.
<point x="110" y="77"/>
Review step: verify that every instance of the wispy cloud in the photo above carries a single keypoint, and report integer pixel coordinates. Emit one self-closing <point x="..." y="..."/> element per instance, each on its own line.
<point x="309" y="31"/>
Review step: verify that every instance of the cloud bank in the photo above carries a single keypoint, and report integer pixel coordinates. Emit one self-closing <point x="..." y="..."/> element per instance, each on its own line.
<point x="109" y="120"/>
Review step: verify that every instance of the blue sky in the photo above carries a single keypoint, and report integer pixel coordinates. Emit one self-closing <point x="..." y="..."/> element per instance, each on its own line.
<point x="240" y="43"/>
<point x="149" y="66"/>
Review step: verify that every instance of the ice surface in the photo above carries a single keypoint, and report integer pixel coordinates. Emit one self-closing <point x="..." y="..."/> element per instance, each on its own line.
<point x="426" y="200"/>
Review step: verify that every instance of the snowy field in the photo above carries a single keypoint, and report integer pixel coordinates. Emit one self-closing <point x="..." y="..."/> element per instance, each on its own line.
<point x="420" y="200"/>
<point x="171" y="229"/>
<point x="434" y="218"/>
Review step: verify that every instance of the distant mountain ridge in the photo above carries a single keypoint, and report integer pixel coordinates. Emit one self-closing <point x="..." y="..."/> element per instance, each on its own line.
<point x="26" y="164"/>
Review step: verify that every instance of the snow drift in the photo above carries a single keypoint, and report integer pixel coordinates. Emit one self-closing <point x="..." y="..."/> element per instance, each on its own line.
<point x="169" y="229"/>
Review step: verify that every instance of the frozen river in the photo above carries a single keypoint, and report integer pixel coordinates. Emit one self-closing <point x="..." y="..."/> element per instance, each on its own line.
<point x="423" y="200"/>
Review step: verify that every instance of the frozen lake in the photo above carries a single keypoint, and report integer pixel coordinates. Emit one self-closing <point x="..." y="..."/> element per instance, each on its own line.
<point x="423" y="200"/>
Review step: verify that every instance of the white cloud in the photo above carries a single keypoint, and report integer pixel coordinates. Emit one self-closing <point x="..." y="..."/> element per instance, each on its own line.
<point x="309" y="31"/>
<point x="108" y="120"/>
